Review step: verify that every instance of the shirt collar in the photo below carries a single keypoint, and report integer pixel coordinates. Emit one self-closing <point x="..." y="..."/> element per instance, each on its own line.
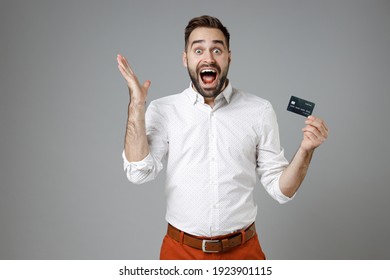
<point x="195" y="96"/>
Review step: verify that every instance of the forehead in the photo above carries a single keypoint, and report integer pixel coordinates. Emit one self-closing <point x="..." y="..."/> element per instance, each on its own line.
<point x="206" y="35"/>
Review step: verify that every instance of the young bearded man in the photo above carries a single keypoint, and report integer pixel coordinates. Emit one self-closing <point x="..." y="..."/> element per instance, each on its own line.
<point x="217" y="141"/>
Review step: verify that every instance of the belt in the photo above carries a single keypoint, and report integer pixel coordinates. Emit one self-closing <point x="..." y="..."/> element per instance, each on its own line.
<point x="217" y="244"/>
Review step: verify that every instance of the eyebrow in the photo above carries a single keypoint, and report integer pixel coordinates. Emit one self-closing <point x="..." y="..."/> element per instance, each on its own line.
<point x="202" y="41"/>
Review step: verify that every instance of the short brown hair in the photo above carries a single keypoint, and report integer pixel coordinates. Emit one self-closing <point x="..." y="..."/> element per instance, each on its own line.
<point x="205" y="21"/>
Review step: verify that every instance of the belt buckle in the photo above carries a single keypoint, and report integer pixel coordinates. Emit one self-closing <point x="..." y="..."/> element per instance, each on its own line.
<point x="204" y="243"/>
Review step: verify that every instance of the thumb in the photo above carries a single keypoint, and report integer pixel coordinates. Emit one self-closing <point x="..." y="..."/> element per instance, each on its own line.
<point x="146" y="84"/>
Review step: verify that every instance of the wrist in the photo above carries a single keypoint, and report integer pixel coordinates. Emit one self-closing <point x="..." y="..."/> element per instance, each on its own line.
<point x="306" y="148"/>
<point x="137" y="103"/>
<point x="136" y="111"/>
<point x="304" y="155"/>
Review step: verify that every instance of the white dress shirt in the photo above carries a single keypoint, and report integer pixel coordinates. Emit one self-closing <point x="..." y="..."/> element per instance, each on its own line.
<point x="214" y="158"/>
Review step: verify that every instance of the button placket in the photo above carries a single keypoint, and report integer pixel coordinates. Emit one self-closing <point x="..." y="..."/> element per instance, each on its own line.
<point x="213" y="170"/>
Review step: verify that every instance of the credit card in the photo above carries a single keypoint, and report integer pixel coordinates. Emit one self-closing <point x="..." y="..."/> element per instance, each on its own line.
<point x="300" y="106"/>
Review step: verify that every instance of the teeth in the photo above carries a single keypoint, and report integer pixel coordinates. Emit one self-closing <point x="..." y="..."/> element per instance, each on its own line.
<point x="208" y="71"/>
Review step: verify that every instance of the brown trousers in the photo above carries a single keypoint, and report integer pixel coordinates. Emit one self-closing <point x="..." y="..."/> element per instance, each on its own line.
<point x="173" y="250"/>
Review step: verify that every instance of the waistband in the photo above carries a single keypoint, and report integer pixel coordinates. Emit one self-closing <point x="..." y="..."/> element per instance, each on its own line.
<point x="216" y="244"/>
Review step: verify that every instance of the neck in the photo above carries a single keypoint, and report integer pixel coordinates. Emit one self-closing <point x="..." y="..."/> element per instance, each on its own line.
<point x="210" y="101"/>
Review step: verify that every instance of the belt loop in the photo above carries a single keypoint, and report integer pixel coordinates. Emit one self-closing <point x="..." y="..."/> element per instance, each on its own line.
<point x="181" y="237"/>
<point x="243" y="237"/>
<point x="225" y="244"/>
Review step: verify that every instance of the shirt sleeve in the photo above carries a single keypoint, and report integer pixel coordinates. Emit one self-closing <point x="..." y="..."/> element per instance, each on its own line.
<point x="147" y="169"/>
<point x="270" y="156"/>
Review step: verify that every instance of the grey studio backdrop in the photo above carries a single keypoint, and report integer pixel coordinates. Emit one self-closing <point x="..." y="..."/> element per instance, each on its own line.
<point x="63" y="109"/>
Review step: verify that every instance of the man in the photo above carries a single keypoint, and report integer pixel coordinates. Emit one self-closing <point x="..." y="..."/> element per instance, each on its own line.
<point x="217" y="140"/>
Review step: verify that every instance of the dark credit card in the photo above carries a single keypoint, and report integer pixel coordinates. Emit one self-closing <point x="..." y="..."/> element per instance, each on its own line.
<point x="300" y="106"/>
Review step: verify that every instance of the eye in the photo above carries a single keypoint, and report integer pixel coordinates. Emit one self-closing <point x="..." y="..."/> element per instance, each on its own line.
<point x="217" y="51"/>
<point x="198" y="51"/>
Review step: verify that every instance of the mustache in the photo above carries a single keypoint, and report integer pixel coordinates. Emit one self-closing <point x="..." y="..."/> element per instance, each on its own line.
<point x="209" y="65"/>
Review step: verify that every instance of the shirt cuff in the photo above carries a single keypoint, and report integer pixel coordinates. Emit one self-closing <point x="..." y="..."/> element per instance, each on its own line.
<point x="282" y="198"/>
<point x="144" y="164"/>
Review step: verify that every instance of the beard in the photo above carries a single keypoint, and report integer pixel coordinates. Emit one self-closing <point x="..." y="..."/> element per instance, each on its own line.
<point x="221" y="80"/>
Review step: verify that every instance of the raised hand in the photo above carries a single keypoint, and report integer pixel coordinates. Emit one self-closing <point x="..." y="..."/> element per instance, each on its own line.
<point x="314" y="133"/>
<point x="137" y="92"/>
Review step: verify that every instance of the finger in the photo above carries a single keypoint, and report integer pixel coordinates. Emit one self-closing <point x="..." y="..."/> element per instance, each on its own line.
<point x="127" y="72"/>
<point x="127" y="65"/>
<point x="123" y="72"/>
<point x="312" y="130"/>
<point x="131" y="80"/>
<point x="310" y="136"/>
<point x="319" y="124"/>
<point x="120" y="60"/>
<point x="123" y="62"/>
<point x="317" y="121"/>
<point x="313" y="138"/>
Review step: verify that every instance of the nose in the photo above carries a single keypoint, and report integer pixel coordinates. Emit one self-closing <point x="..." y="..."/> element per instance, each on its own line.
<point x="209" y="57"/>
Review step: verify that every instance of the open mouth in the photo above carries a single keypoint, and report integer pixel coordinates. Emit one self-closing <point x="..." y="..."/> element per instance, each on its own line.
<point x="208" y="76"/>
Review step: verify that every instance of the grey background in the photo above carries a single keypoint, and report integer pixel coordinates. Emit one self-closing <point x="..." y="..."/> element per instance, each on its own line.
<point x="63" y="108"/>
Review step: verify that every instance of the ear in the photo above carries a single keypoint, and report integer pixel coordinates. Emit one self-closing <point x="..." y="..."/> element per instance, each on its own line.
<point x="184" y="58"/>
<point x="230" y="56"/>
